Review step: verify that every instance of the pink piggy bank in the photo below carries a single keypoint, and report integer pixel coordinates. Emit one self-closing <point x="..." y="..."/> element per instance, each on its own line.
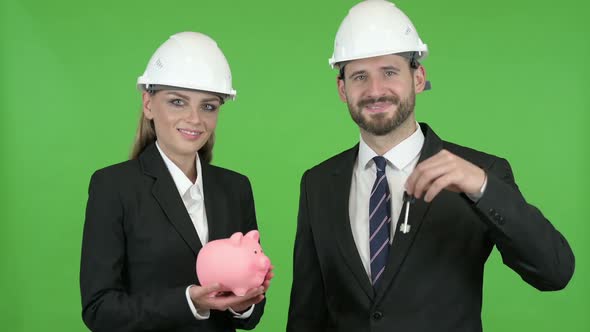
<point x="237" y="263"/>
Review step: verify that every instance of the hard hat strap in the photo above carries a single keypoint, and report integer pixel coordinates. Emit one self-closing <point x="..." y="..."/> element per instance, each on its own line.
<point x="412" y="58"/>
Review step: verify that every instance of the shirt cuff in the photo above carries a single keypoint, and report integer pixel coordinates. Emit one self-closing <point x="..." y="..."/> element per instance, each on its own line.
<point x="199" y="314"/>
<point x="476" y="197"/>
<point x="245" y="315"/>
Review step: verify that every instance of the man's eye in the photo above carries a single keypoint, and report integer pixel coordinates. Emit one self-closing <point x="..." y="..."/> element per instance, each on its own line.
<point x="360" y="77"/>
<point x="390" y="73"/>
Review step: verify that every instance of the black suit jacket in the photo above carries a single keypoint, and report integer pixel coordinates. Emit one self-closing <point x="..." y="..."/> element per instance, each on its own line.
<point x="140" y="246"/>
<point x="433" y="279"/>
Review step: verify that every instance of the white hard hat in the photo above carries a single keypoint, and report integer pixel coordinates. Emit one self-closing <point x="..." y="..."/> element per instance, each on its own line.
<point x="189" y="60"/>
<point x="373" y="28"/>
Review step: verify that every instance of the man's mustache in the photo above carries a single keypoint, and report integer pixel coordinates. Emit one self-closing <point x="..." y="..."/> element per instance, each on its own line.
<point x="384" y="99"/>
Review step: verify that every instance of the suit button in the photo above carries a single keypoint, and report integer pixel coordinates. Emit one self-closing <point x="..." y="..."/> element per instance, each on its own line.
<point x="377" y="315"/>
<point x="491" y="211"/>
<point x="500" y="220"/>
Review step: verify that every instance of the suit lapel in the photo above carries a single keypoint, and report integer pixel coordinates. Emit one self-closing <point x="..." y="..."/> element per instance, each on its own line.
<point x="403" y="242"/>
<point x="214" y="208"/>
<point x="341" y="181"/>
<point x="166" y="194"/>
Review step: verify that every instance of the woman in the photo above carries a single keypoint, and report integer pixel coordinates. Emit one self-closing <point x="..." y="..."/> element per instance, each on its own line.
<point x="148" y="217"/>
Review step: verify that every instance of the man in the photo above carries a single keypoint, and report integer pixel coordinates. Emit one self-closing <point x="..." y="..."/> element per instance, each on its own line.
<point x="393" y="234"/>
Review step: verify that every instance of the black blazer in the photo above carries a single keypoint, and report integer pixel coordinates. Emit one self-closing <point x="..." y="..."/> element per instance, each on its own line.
<point x="139" y="246"/>
<point x="433" y="280"/>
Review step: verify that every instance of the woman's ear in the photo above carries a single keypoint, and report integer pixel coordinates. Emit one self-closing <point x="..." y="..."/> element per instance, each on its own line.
<point x="147" y="105"/>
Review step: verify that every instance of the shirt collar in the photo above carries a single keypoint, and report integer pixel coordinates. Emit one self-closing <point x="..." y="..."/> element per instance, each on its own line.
<point x="400" y="155"/>
<point x="182" y="182"/>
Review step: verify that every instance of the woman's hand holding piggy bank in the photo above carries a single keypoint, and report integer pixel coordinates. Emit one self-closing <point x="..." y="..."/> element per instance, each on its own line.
<point x="237" y="264"/>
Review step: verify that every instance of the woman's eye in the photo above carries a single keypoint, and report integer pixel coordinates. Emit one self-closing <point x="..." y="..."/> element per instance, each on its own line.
<point x="177" y="102"/>
<point x="209" y="107"/>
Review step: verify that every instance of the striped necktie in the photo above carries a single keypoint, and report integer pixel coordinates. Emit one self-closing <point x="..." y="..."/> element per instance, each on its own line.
<point x="379" y="221"/>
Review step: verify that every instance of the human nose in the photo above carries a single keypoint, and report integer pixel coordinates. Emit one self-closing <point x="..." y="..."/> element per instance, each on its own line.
<point x="375" y="88"/>
<point x="194" y="115"/>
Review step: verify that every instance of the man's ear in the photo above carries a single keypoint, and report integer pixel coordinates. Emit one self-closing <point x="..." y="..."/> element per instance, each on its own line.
<point x="419" y="79"/>
<point x="340" y="85"/>
<point x="146" y="98"/>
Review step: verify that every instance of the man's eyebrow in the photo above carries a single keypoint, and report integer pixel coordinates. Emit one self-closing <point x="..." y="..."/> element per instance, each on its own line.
<point x="362" y="71"/>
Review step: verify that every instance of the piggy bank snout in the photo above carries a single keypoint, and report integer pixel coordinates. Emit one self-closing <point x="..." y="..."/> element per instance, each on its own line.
<point x="263" y="263"/>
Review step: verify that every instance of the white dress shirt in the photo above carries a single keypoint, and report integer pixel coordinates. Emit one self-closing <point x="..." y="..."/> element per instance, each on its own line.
<point x="401" y="161"/>
<point x="194" y="200"/>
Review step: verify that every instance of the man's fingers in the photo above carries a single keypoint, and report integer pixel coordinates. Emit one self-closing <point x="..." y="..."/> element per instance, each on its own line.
<point x="437" y="186"/>
<point x="426" y="165"/>
<point x="428" y="176"/>
<point x="444" y="171"/>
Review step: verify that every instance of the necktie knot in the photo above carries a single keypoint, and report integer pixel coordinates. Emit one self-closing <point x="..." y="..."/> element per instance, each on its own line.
<point x="380" y="162"/>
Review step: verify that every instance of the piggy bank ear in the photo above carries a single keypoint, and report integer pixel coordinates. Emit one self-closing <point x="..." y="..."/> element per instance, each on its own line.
<point x="254" y="235"/>
<point x="236" y="238"/>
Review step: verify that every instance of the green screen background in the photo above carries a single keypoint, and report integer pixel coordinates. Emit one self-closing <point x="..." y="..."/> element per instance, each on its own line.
<point x="509" y="77"/>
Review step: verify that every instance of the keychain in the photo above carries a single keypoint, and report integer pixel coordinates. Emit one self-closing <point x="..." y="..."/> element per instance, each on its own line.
<point x="405" y="228"/>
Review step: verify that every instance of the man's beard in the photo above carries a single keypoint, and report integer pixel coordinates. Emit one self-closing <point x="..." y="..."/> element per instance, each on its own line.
<point x="377" y="124"/>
